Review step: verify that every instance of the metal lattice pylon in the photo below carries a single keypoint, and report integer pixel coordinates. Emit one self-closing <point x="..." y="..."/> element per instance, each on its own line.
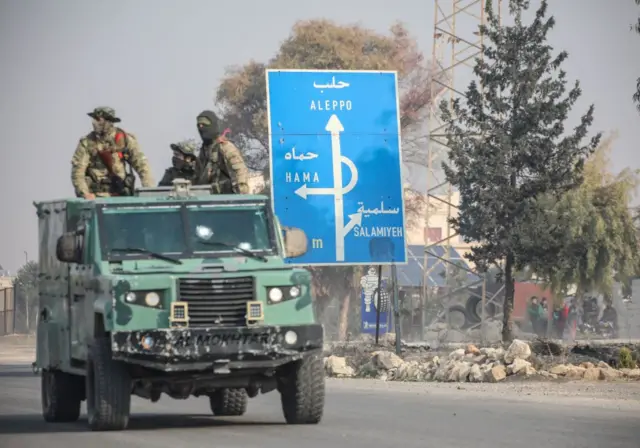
<point x="456" y="45"/>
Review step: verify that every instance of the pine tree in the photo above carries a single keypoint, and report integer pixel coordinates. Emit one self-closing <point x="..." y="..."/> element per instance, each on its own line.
<point x="508" y="143"/>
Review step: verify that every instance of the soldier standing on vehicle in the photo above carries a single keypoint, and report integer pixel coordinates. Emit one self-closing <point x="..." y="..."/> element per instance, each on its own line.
<point x="103" y="159"/>
<point x="222" y="163"/>
<point x="185" y="164"/>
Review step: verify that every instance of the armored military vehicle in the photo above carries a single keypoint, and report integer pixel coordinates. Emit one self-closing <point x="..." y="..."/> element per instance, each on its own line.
<point x="176" y="291"/>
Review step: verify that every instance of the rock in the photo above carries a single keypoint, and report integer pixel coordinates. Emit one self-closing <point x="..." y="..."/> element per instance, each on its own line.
<point x="517" y="366"/>
<point x="496" y="374"/>
<point x="480" y="359"/>
<point x="633" y="374"/>
<point x="459" y="372"/>
<point x="603" y="365"/>
<point x="493" y="354"/>
<point x="610" y="374"/>
<point x="475" y="374"/>
<point x="408" y="371"/>
<point x="472" y="350"/>
<point x="587" y="365"/>
<point x="517" y="350"/>
<point x="591" y="373"/>
<point x="551" y="376"/>
<point x="337" y="366"/>
<point x="560" y="369"/>
<point x="528" y="371"/>
<point x="386" y="360"/>
<point x="575" y="372"/>
<point x="457" y="354"/>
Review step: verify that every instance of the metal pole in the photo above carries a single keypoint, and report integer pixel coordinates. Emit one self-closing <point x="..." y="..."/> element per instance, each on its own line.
<point x="483" y="322"/>
<point x="378" y="303"/>
<point x="396" y="308"/>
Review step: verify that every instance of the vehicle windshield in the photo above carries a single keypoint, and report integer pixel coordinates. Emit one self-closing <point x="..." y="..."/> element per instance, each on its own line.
<point x="184" y="231"/>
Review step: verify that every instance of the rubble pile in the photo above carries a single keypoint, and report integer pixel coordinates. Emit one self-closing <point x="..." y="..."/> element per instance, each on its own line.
<point x="472" y="364"/>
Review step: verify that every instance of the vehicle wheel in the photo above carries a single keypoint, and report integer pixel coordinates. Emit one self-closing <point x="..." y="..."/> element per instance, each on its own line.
<point x="229" y="402"/>
<point x="108" y="389"/>
<point x="62" y="395"/>
<point x="457" y="317"/>
<point x="302" y="391"/>
<point x="474" y="309"/>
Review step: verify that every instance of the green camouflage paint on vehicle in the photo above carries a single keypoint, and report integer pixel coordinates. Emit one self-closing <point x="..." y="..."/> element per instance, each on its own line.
<point x="118" y="274"/>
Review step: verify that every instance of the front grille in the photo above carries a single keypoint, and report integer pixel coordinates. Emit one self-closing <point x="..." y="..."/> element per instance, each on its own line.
<point x="216" y="302"/>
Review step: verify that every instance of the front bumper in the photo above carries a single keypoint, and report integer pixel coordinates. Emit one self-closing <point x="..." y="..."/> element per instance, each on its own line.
<point x="223" y="349"/>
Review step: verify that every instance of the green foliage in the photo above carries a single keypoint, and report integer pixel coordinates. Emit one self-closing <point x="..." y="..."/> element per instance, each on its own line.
<point x="592" y="231"/>
<point x="508" y="144"/>
<point x="26" y="282"/>
<point x="626" y="360"/>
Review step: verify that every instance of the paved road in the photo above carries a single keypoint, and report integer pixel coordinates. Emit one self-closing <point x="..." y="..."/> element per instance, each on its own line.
<point x="358" y="413"/>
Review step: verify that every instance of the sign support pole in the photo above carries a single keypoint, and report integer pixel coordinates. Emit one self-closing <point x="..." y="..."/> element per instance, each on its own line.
<point x="379" y="293"/>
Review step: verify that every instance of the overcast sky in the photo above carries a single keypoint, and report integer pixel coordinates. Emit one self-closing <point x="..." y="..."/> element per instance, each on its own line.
<point x="158" y="63"/>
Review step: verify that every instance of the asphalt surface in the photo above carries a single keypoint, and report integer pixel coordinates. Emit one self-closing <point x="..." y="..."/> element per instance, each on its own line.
<point x="358" y="413"/>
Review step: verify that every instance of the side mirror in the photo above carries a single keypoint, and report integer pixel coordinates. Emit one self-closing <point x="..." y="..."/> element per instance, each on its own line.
<point x="295" y="242"/>
<point x="69" y="248"/>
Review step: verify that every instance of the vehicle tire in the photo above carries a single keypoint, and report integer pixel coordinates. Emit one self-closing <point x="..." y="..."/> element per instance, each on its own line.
<point x="474" y="309"/>
<point x="302" y="391"/>
<point x="458" y="318"/>
<point x="62" y="395"/>
<point x="108" y="389"/>
<point x="229" y="402"/>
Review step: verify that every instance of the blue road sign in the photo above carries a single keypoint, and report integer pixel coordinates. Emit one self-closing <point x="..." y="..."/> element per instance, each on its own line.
<point x="336" y="164"/>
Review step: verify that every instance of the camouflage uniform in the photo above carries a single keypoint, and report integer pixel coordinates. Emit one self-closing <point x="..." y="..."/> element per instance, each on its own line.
<point x="182" y="167"/>
<point x="222" y="164"/>
<point x="89" y="173"/>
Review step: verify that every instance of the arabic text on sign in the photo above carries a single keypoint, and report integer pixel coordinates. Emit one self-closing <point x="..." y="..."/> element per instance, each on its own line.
<point x="333" y="85"/>
<point x="291" y="155"/>
<point x="366" y="212"/>
<point x="327" y="105"/>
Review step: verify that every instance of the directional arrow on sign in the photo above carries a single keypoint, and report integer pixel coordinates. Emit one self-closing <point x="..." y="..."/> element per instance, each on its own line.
<point x="354" y="220"/>
<point x="304" y="191"/>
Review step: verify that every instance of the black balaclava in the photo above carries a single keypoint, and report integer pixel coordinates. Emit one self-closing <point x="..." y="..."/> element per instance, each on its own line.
<point x="183" y="166"/>
<point x="208" y="126"/>
<point x="180" y="163"/>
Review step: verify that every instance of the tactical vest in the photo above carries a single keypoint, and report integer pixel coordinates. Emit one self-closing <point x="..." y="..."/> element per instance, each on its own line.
<point x="216" y="172"/>
<point x="113" y="183"/>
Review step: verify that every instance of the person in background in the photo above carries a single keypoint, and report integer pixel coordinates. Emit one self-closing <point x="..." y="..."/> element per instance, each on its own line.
<point x="534" y="311"/>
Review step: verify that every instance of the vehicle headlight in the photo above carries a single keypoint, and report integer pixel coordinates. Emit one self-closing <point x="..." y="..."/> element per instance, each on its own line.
<point x="152" y="299"/>
<point x="275" y="295"/>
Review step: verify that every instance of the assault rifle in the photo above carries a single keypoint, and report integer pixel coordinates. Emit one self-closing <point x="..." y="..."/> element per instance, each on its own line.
<point x="119" y="186"/>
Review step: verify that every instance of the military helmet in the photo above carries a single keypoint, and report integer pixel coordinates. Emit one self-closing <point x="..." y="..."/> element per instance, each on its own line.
<point x="186" y="147"/>
<point x="108" y="113"/>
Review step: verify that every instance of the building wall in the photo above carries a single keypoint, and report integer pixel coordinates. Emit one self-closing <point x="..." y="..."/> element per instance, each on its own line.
<point x="6" y="282"/>
<point x="420" y="234"/>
